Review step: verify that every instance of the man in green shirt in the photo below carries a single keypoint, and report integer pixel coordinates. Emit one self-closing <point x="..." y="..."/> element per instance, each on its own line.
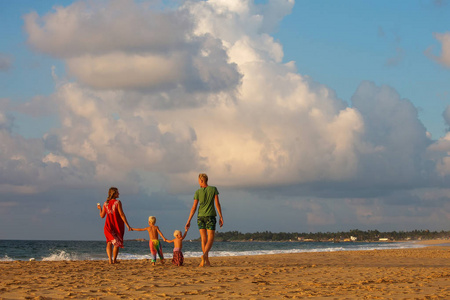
<point x="207" y="198"/>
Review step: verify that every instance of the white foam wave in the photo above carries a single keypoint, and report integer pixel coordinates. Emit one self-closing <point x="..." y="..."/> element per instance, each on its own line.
<point x="6" y="258"/>
<point x="358" y="247"/>
<point x="329" y="249"/>
<point x="61" y="255"/>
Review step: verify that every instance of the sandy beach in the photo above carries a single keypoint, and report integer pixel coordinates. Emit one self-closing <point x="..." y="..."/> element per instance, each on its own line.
<point x="422" y="273"/>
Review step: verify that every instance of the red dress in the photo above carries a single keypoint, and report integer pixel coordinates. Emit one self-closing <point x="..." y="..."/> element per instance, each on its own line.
<point x="114" y="226"/>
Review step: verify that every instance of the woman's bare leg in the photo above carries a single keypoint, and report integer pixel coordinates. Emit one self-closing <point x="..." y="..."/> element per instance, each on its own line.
<point x="109" y="252"/>
<point x="115" y="252"/>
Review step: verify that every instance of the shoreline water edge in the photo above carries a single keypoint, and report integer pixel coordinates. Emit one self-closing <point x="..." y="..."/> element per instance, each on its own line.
<point x="11" y="250"/>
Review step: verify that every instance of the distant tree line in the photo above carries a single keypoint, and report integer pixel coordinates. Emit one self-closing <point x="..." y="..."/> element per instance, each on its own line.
<point x="369" y="235"/>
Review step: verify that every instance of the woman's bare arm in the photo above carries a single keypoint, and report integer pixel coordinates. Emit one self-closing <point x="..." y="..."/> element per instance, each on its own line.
<point x="102" y="210"/>
<point x="122" y="215"/>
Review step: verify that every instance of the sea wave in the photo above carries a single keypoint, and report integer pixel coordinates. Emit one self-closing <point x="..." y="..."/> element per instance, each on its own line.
<point x="76" y="250"/>
<point x="61" y="255"/>
<point x="386" y="246"/>
<point x="6" y="258"/>
<point x="347" y="247"/>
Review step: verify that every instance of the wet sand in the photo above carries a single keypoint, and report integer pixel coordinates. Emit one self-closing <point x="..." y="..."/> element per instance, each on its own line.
<point x="422" y="273"/>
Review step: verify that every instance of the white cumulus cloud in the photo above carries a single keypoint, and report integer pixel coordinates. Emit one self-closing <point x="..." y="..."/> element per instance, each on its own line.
<point x="444" y="57"/>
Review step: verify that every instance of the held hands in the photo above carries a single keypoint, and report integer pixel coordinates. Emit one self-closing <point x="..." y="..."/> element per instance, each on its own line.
<point x="188" y="224"/>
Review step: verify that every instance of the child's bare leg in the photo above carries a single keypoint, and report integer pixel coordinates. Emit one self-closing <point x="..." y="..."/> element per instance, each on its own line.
<point x="160" y="254"/>
<point x="115" y="252"/>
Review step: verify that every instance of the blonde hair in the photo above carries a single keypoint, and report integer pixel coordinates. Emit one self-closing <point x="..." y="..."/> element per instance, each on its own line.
<point x="203" y="177"/>
<point x="112" y="193"/>
<point x="152" y="220"/>
<point x="176" y="232"/>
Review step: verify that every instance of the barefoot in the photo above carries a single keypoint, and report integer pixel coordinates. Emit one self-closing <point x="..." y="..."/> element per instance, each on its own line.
<point x="163" y="261"/>
<point x="202" y="263"/>
<point x="207" y="263"/>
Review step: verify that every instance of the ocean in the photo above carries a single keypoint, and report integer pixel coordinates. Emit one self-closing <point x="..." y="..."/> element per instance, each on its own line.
<point x="11" y="250"/>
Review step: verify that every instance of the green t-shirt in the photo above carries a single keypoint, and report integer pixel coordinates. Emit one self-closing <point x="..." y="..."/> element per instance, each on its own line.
<point x="205" y="197"/>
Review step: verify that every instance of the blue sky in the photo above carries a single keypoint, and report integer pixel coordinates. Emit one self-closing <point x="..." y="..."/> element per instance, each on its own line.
<point x="341" y="43"/>
<point x="307" y="116"/>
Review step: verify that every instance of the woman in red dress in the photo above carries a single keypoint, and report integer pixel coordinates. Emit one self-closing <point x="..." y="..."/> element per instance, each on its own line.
<point x="114" y="224"/>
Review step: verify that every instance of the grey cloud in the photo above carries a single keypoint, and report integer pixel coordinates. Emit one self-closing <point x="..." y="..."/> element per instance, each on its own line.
<point x="381" y="32"/>
<point x="395" y="134"/>
<point x="274" y="12"/>
<point x="118" y="45"/>
<point x="440" y="3"/>
<point x="6" y="122"/>
<point x="39" y="106"/>
<point x="5" y="62"/>
<point x="444" y="57"/>
<point x="96" y="27"/>
<point x="446" y="115"/>
<point x="397" y="58"/>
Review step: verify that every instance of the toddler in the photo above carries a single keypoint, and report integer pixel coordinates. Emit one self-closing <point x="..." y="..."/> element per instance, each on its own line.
<point x="178" y="258"/>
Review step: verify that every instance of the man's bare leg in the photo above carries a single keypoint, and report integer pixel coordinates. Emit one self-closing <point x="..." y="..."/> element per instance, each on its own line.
<point x="204" y="238"/>
<point x="208" y="246"/>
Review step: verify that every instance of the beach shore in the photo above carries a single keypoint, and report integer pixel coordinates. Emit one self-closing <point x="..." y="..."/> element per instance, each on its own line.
<point x="420" y="273"/>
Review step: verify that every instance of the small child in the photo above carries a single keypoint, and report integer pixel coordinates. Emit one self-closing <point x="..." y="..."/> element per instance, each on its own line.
<point x="178" y="258"/>
<point x="154" y="244"/>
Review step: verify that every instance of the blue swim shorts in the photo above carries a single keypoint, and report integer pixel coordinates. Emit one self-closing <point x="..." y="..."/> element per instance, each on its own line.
<point x="207" y="223"/>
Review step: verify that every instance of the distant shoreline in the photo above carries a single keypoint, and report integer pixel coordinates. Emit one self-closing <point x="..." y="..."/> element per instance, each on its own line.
<point x="421" y="242"/>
